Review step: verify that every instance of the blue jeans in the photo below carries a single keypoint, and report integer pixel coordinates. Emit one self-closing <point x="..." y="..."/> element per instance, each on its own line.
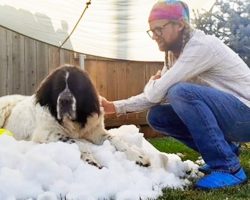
<point x="205" y="119"/>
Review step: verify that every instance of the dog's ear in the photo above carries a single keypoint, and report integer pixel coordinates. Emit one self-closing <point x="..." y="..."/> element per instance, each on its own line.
<point x="51" y="86"/>
<point x="85" y="93"/>
<point x="42" y="94"/>
<point x="49" y="89"/>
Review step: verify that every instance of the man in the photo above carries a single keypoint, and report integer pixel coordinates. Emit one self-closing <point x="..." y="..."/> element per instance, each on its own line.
<point x="210" y="115"/>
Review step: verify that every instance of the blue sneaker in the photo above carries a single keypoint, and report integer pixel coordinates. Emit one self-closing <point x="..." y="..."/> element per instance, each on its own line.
<point x="205" y="169"/>
<point x="217" y="180"/>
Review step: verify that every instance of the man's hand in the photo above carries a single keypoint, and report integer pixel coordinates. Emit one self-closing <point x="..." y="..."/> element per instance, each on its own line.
<point x="108" y="106"/>
<point x="156" y="76"/>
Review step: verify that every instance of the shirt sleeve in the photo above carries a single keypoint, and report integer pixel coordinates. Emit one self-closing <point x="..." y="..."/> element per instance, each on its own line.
<point x="194" y="60"/>
<point x="136" y="103"/>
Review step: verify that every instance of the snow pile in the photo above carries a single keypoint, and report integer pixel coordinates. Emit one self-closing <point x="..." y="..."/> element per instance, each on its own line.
<point x="55" y="170"/>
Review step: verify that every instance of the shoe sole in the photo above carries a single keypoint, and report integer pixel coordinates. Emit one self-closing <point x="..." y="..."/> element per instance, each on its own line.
<point x="226" y="187"/>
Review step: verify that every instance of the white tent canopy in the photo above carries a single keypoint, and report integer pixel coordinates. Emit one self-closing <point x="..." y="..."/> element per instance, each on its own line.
<point x="109" y="28"/>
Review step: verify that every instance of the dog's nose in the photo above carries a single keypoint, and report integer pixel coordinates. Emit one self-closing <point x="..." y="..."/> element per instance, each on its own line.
<point x="65" y="101"/>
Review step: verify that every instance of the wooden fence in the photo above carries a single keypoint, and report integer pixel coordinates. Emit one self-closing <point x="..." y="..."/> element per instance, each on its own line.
<point x="24" y="62"/>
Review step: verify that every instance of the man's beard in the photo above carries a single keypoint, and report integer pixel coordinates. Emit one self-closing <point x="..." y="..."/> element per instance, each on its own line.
<point x="174" y="46"/>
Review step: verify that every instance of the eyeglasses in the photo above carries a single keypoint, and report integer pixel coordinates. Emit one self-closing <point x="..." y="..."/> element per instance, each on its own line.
<point x="157" y="31"/>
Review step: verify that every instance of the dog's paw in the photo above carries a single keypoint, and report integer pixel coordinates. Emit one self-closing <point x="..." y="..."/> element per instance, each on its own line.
<point x="87" y="157"/>
<point x="140" y="158"/>
<point x="133" y="152"/>
<point x="143" y="162"/>
<point x="94" y="163"/>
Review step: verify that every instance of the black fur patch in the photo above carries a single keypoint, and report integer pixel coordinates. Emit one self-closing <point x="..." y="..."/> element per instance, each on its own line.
<point x="79" y="84"/>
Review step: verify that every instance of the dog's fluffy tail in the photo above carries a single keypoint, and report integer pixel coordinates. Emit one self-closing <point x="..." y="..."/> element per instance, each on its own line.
<point x="7" y="103"/>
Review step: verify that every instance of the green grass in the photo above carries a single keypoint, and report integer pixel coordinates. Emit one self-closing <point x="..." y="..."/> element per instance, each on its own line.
<point x="170" y="145"/>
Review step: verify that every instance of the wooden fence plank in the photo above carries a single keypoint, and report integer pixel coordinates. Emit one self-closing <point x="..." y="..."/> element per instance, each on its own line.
<point x="18" y="64"/>
<point x="111" y="81"/>
<point x="102" y="76"/>
<point x="151" y="69"/>
<point x="42" y="62"/>
<point x="54" y="60"/>
<point x="10" y="76"/>
<point x="135" y="83"/>
<point x="121" y="80"/>
<point x="22" y="66"/>
<point x="90" y="67"/>
<point x="3" y="62"/>
<point x="65" y="56"/>
<point x="30" y="66"/>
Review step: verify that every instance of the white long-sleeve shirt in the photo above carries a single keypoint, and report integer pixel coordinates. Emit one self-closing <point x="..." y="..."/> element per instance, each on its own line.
<point x="205" y="60"/>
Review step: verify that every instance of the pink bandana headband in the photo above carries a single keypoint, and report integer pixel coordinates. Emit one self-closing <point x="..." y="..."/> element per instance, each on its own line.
<point x="169" y="9"/>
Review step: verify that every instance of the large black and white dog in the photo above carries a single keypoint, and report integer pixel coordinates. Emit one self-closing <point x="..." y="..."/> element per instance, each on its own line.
<point x="65" y="108"/>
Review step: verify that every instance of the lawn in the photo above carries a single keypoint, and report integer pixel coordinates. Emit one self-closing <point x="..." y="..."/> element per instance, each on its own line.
<point x="237" y="193"/>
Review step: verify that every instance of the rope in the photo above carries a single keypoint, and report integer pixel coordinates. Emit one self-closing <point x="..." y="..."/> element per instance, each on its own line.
<point x="86" y="7"/>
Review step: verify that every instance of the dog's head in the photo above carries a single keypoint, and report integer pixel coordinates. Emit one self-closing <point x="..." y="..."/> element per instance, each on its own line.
<point x="68" y="93"/>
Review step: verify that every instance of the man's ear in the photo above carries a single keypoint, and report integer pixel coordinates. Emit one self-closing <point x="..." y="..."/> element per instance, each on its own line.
<point x="181" y="25"/>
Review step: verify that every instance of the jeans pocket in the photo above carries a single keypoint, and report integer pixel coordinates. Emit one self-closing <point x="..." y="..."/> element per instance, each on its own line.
<point x="240" y="132"/>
